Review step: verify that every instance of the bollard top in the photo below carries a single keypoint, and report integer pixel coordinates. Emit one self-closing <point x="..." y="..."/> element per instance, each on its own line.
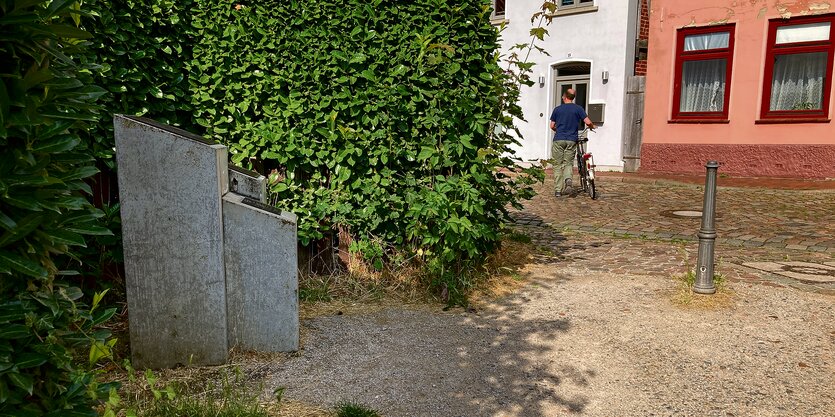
<point x="712" y="164"/>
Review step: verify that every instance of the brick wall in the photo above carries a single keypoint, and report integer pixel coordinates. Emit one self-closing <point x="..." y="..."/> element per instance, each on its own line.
<point x="641" y="67"/>
<point x="643" y="37"/>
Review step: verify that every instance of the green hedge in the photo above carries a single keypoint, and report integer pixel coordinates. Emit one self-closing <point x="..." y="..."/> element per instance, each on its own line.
<point x="379" y="116"/>
<point x="386" y="118"/>
<point x="46" y="101"/>
<point x="143" y="48"/>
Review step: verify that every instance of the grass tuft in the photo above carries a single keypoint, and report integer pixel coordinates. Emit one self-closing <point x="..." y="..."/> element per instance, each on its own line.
<point x="350" y="409"/>
<point x="685" y="297"/>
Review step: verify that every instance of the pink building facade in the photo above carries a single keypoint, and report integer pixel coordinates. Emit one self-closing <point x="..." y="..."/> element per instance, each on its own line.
<point x="747" y="83"/>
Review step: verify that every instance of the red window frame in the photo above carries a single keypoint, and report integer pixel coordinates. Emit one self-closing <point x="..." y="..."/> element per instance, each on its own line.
<point x="797" y="48"/>
<point x="683" y="56"/>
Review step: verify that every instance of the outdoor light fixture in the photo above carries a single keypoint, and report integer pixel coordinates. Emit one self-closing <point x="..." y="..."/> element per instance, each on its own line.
<point x="542" y="80"/>
<point x="605" y="76"/>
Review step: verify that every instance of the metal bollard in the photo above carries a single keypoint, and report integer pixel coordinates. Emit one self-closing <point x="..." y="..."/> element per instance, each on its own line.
<point x="707" y="235"/>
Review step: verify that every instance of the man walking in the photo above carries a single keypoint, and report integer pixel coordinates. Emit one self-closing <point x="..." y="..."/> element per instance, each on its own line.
<point x="565" y="121"/>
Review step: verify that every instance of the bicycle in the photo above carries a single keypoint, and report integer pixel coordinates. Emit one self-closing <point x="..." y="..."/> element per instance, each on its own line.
<point x="585" y="165"/>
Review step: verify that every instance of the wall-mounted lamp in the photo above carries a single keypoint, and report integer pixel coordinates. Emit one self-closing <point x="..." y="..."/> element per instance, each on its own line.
<point x="605" y="76"/>
<point x="542" y="81"/>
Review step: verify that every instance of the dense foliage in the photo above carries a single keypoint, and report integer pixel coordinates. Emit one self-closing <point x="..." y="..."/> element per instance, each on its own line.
<point x="385" y="117"/>
<point x="46" y="99"/>
<point x="142" y="48"/>
<point x="388" y="119"/>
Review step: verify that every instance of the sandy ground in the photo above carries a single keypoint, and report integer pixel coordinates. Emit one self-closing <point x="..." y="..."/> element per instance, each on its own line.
<point x="576" y="341"/>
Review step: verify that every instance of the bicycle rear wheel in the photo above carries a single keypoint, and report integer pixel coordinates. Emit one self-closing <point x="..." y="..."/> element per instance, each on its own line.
<point x="590" y="179"/>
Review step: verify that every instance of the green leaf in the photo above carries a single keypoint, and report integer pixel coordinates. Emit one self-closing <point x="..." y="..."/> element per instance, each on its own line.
<point x="65" y="237"/>
<point x="30" y="360"/>
<point x="58" y="127"/>
<point x="90" y="229"/>
<point x="58" y="6"/>
<point x="14" y="331"/>
<point x="23" y="381"/>
<point x="103" y="316"/>
<point x="27" y="202"/>
<point x="22" y="228"/>
<point x="57" y="144"/>
<point x="69" y="32"/>
<point x="97" y="297"/>
<point x="425" y="153"/>
<point x="80" y="173"/>
<point x="23" y="265"/>
<point x="6" y="222"/>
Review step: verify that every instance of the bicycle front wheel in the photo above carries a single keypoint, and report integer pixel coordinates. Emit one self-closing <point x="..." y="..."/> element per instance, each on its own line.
<point x="590" y="179"/>
<point x="581" y="170"/>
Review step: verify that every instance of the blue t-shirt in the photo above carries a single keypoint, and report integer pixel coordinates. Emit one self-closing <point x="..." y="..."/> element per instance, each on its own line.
<point x="567" y="116"/>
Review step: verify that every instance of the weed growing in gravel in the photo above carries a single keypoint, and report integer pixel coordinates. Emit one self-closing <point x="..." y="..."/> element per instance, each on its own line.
<point x="355" y="410"/>
<point x="685" y="296"/>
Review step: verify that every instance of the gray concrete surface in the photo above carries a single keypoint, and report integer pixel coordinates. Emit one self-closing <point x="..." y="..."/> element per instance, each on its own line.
<point x="261" y="276"/>
<point x="247" y="183"/>
<point x="170" y="187"/>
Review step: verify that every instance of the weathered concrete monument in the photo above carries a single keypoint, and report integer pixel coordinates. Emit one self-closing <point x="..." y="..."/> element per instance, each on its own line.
<point x="207" y="268"/>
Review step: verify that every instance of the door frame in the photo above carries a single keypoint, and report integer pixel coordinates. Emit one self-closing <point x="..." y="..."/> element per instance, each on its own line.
<point x="552" y="84"/>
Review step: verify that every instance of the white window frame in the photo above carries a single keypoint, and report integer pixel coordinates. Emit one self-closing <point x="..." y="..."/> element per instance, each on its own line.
<point x="576" y="4"/>
<point x="575" y="8"/>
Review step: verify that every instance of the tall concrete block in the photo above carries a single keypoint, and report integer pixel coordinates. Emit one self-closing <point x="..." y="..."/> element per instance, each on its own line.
<point x="170" y="184"/>
<point x="262" y="300"/>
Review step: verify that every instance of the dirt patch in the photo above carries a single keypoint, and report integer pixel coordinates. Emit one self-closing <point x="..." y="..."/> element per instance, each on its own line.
<point x="576" y="341"/>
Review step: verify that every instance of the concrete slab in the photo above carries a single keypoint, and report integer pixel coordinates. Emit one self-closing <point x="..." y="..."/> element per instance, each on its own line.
<point x="261" y="276"/>
<point x="247" y="183"/>
<point x="170" y="188"/>
<point x="808" y="272"/>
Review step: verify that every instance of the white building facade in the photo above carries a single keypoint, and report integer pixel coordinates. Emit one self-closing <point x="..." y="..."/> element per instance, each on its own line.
<point x="591" y="47"/>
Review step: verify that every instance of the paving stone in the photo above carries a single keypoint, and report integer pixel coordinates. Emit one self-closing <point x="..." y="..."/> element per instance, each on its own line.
<point x="799" y="219"/>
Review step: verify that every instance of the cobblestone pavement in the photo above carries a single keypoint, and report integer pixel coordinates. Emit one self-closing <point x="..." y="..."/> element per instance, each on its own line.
<point x="769" y="237"/>
<point x="747" y="217"/>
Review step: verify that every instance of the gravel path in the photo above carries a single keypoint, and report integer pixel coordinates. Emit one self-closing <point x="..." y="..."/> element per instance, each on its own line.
<point x="579" y="340"/>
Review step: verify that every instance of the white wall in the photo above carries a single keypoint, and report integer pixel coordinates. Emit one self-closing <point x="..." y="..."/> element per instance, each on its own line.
<point x="606" y="39"/>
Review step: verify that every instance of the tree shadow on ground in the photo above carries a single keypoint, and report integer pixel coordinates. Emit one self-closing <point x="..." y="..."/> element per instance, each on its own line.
<point x="508" y="358"/>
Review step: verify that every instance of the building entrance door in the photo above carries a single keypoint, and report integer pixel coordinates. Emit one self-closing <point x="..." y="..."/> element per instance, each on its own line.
<point x="575" y="75"/>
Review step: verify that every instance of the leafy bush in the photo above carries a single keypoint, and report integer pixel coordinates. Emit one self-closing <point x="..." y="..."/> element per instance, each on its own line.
<point x="392" y="120"/>
<point x="384" y="117"/>
<point x="46" y="97"/>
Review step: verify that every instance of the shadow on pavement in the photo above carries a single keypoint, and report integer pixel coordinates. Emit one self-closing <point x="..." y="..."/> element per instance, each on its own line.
<point x="500" y="360"/>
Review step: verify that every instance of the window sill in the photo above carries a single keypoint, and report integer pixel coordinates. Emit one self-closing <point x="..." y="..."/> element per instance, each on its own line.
<point x="498" y="21"/>
<point x="698" y="121"/>
<point x="573" y="10"/>
<point x="792" y="120"/>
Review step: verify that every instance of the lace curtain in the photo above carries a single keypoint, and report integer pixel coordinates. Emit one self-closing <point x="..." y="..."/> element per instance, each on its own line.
<point x="797" y="83"/>
<point x="703" y="86"/>
<point x="706" y="41"/>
